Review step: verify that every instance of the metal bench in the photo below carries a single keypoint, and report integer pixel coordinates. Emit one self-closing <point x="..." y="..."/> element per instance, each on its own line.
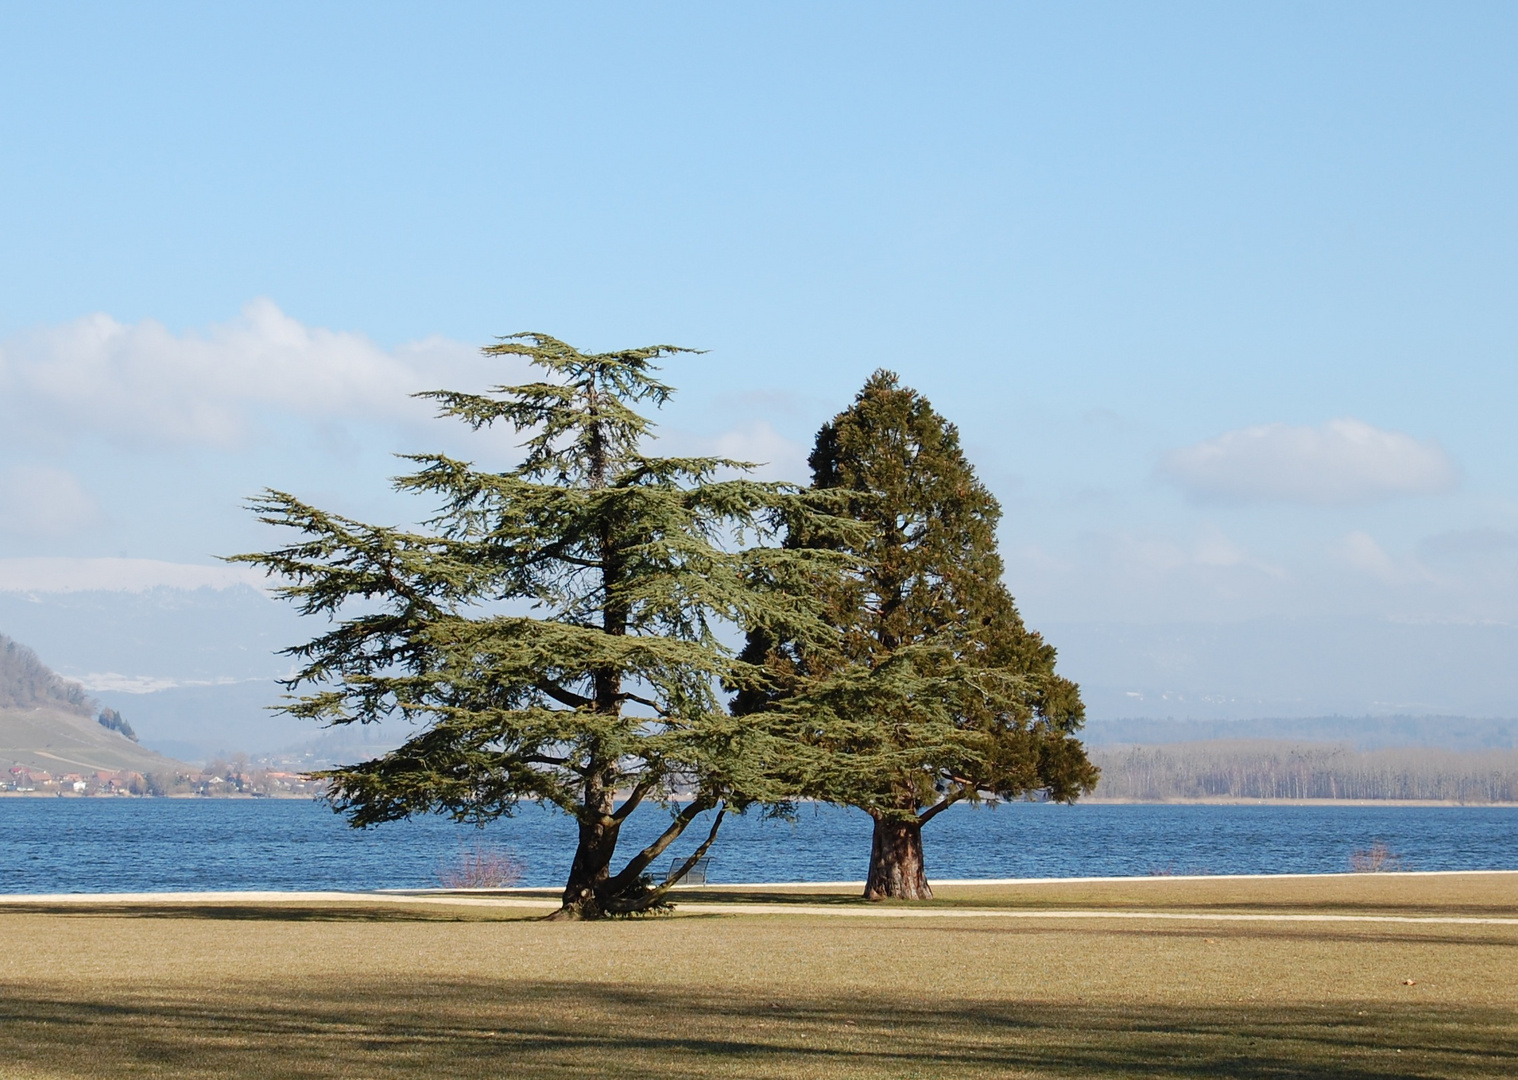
<point x="695" y="876"/>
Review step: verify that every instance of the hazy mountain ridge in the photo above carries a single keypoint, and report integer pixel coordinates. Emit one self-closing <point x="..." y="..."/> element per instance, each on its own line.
<point x="48" y="723"/>
<point x="194" y="671"/>
<point x="27" y="683"/>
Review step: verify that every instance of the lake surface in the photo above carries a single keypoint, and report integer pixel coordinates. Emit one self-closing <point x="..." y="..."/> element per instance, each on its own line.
<point x="127" y="845"/>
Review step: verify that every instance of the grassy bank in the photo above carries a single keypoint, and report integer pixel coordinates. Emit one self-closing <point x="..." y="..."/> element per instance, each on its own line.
<point x="379" y="989"/>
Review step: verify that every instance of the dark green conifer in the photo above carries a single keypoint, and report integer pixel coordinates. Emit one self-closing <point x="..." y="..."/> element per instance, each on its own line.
<point x="934" y="691"/>
<point x="550" y="631"/>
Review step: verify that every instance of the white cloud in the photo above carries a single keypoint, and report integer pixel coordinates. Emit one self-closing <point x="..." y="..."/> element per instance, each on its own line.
<point x="1360" y="550"/>
<point x="51" y="575"/>
<point x="776" y="457"/>
<point x="1146" y="576"/>
<point x="1213" y="548"/>
<point x="1344" y="461"/>
<point x="141" y="383"/>
<point x="43" y="501"/>
<point x="1212" y="552"/>
<point x="112" y="681"/>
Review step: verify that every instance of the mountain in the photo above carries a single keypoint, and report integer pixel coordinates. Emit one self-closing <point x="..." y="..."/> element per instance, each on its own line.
<point x="192" y="670"/>
<point x="49" y="723"/>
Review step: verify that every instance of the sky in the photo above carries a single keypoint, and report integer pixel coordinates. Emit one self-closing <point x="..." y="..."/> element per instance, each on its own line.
<point x="1221" y="297"/>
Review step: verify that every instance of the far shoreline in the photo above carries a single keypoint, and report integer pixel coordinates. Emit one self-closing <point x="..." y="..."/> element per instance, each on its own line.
<point x="1221" y="800"/>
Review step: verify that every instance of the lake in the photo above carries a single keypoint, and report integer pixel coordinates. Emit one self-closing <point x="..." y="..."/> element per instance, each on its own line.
<point x="128" y="845"/>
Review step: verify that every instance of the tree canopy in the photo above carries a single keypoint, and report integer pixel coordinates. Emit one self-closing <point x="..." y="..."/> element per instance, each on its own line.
<point x="552" y="630"/>
<point x="933" y="691"/>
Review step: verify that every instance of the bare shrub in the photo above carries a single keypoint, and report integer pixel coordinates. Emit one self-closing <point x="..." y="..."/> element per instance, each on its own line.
<point x="480" y="867"/>
<point x="1376" y="859"/>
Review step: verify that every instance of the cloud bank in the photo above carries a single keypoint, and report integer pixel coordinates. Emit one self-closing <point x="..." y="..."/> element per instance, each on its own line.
<point x="1343" y="461"/>
<point x="143" y="384"/>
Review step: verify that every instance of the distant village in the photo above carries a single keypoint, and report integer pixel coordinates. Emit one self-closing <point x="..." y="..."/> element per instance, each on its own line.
<point x="218" y="780"/>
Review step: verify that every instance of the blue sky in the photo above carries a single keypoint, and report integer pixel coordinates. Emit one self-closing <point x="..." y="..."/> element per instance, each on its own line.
<point x="1221" y="296"/>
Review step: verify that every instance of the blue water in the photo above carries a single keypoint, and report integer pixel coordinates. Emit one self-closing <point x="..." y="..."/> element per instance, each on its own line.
<point x="121" y="845"/>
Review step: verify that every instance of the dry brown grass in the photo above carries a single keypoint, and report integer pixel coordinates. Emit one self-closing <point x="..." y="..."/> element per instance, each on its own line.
<point x="380" y="990"/>
<point x="1476" y="894"/>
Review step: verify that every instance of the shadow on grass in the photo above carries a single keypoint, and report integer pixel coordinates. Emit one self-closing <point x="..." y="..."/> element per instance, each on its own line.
<point x="1371" y="933"/>
<point x="266" y="912"/>
<point x="697" y="895"/>
<point x="542" y="1029"/>
<point x="1245" y="906"/>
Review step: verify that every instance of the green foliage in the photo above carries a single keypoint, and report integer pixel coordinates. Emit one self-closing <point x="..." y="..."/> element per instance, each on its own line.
<point x="551" y="629"/>
<point x="112" y="720"/>
<point x="933" y="691"/>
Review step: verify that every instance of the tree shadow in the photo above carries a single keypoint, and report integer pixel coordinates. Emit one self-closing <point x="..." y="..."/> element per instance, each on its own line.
<point x="697" y="895"/>
<point x="474" y="1028"/>
<point x="1363" y="933"/>
<point x="275" y="912"/>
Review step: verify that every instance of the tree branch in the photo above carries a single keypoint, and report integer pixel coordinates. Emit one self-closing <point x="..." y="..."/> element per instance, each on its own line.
<point x="638" y="792"/>
<point x="933" y="811"/>
<point x="654" y="705"/>
<point x="639" y="862"/>
<point x="562" y="696"/>
<point x="684" y="868"/>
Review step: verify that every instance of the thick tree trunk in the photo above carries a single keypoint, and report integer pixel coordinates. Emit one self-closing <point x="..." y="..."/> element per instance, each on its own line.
<point x="592" y="890"/>
<point x="591" y="868"/>
<point x="585" y="891"/>
<point x="896" y="866"/>
<point x="597" y="844"/>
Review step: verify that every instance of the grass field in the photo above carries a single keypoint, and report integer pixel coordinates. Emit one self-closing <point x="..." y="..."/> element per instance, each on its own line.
<point x="380" y="988"/>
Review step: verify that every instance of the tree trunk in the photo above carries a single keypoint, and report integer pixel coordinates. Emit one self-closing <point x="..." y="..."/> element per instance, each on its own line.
<point x="585" y="891"/>
<point x="896" y="867"/>
<point x="591" y="868"/>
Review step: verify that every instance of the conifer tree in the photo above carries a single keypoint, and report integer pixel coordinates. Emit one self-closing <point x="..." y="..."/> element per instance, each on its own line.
<point x="933" y="692"/>
<point x="551" y="631"/>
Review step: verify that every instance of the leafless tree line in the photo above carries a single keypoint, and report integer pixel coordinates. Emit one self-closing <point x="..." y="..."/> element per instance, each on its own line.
<point x="1266" y="769"/>
<point x="26" y="682"/>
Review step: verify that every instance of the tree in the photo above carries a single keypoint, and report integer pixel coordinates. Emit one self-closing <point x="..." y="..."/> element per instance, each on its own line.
<point x="112" y="720"/>
<point x="604" y="695"/>
<point x="933" y="692"/>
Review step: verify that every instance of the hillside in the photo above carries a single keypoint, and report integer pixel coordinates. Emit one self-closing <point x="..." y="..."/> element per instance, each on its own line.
<point x="48" y="723"/>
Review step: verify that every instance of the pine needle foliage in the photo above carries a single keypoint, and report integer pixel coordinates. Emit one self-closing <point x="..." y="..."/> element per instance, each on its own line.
<point x="604" y="696"/>
<point x="933" y="692"/>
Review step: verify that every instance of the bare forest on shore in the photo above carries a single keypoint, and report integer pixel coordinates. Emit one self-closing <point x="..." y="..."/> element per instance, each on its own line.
<point x="1269" y="769"/>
